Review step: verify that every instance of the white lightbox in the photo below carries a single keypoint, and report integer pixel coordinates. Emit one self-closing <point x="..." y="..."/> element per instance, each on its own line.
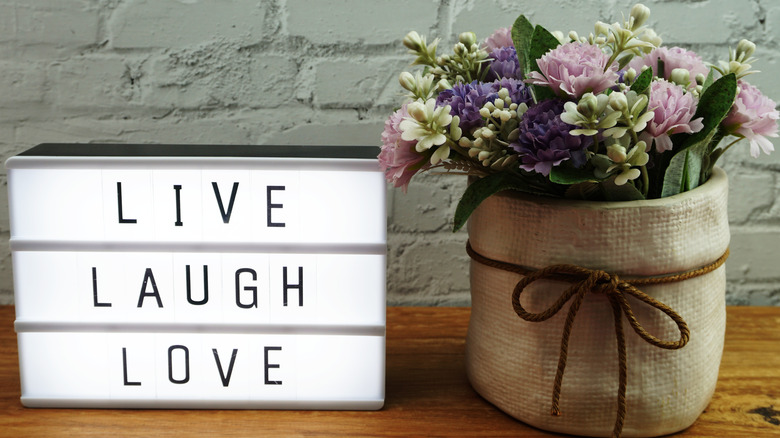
<point x="194" y="276"/>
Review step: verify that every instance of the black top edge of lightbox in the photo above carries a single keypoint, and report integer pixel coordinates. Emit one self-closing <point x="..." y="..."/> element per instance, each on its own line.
<point x="199" y="150"/>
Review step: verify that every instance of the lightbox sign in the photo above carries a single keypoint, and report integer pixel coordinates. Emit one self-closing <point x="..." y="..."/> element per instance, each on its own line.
<point x="199" y="276"/>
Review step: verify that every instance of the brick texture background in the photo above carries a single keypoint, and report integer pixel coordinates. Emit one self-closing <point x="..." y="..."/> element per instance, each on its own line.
<point x="325" y="72"/>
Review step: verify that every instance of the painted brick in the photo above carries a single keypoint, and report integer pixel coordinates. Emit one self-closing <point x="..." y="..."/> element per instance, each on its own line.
<point x="219" y="75"/>
<point x="94" y="83"/>
<point x="171" y="129"/>
<point x="334" y="133"/>
<point x="753" y="255"/>
<point x="65" y="23"/>
<point x="22" y="82"/>
<point x="428" y="205"/>
<point x="346" y="83"/>
<point x="353" y="21"/>
<point x="748" y="194"/>
<point x="484" y="17"/>
<point x="415" y="266"/>
<point x="727" y="21"/>
<point x="165" y="23"/>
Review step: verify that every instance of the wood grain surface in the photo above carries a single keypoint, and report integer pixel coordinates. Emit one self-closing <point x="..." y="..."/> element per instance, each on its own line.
<point x="427" y="392"/>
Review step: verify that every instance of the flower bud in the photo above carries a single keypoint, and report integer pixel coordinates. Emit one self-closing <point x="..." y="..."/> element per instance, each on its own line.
<point x="460" y="49"/>
<point x="680" y="76"/>
<point x="407" y="81"/>
<point x="700" y="79"/>
<point x="640" y="13"/>
<point x="602" y="28"/>
<point x="413" y="41"/>
<point x="618" y="102"/>
<point x="745" y="50"/>
<point x="588" y="104"/>
<point x="630" y="75"/>
<point x="616" y="153"/>
<point x="443" y="85"/>
<point x="467" y="38"/>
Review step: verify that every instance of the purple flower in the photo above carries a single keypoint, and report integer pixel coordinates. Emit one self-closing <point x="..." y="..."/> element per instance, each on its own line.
<point x="573" y="69"/>
<point x="673" y="110"/>
<point x="545" y="140"/>
<point x="754" y="117"/>
<point x="518" y="92"/>
<point x="504" y="64"/>
<point x="672" y="57"/>
<point x="501" y="38"/>
<point x="466" y="100"/>
<point x="398" y="157"/>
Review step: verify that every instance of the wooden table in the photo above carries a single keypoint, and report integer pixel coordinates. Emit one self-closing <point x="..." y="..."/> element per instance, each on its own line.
<point x="427" y="392"/>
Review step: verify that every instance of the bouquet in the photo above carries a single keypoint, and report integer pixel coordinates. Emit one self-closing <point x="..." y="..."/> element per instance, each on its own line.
<point x="613" y="116"/>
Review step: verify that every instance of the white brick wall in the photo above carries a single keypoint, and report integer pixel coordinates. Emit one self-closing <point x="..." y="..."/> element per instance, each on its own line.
<point x="324" y="72"/>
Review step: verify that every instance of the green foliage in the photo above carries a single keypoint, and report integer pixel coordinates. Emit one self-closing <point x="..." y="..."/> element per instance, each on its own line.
<point x="531" y="42"/>
<point x="522" y="31"/>
<point x="642" y="82"/>
<point x="686" y="166"/>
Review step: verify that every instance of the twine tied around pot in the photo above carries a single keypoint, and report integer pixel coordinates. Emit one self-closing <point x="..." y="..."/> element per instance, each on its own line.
<point x="586" y="280"/>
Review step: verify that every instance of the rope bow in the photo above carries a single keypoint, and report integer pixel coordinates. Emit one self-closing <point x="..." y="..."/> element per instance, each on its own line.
<point x="585" y="280"/>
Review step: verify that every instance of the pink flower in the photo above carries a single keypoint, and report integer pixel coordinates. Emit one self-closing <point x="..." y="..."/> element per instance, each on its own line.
<point x="398" y="157"/>
<point x="673" y="110"/>
<point x="674" y="57"/>
<point x="575" y="69"/>
<point x="501" y="38"/>
<point x="753" y="117"/>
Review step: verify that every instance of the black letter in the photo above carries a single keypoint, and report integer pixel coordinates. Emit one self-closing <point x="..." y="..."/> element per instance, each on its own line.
<point x="186" y="364"/>
<point x="253" y="289"/>
<point x="122" y="220"/>
<point x="94" y="290"/>
<point x="270" y="206"/>
<point x="298" y="286"/>
<point x="178" y="222"/>
<point x="225" y="380"/>
<point x="124" y="368"/>
<point x="225" y="216"/>
<point x="205" y="286"/>
<point x="271" y="365"/>
<point x="149" y="276"/>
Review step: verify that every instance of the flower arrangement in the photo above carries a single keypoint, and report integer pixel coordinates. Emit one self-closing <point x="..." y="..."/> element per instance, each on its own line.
<point x="612" y="116"/>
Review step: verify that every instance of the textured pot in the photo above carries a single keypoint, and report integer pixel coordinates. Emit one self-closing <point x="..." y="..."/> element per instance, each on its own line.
<point x="512" y="363"/>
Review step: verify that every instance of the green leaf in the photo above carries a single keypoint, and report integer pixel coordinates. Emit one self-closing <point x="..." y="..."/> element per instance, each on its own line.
<point x="482" y="189"/>
<point x="713" y="107"/>
<point x="570" y="175"/>
<point x="685" y="169"/>
<point x="542" y="41"/>
<point x="615" y="193"/>
<point x="642" y="81"/>
<point x="674" y="177"/>
<point x="522" y="31"/>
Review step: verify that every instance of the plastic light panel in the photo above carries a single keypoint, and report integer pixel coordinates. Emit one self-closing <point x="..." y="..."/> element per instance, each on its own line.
<point x="199" y="277"/>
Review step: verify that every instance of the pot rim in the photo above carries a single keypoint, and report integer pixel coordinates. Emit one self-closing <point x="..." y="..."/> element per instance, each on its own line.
<point x="713" y="184"/>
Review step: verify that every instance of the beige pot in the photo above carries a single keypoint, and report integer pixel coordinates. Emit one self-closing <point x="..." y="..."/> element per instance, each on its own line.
<point x="512" y="363"/>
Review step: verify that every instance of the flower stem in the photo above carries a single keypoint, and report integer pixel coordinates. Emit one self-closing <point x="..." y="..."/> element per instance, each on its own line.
<point x="645" y="181"/>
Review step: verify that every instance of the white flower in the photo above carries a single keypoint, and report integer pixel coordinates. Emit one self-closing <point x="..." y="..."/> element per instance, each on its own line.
<point x="428" y="125"/>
